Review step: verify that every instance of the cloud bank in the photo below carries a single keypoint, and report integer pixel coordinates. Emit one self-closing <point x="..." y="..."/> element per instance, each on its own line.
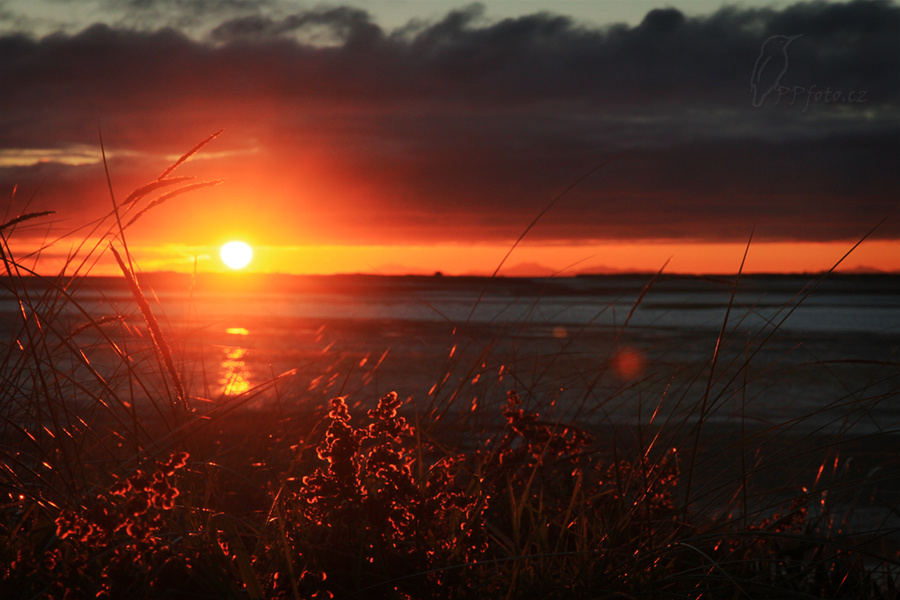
<point x="463" y="129"/>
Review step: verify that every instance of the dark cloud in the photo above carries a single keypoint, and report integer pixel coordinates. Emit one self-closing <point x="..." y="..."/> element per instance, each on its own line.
<point x="475" y="125"/>
<point x="347" y="26"/>
<point x="185" y="14"/>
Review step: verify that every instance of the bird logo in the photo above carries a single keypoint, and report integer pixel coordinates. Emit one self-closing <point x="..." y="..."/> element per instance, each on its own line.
<point x="770" y="66"/>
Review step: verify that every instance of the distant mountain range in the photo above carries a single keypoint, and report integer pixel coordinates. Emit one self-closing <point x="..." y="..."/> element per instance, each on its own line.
<point x="534" y="269"/>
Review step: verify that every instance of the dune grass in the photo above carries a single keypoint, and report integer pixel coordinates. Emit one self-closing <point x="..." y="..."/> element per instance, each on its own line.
<point x="123" y="478"/>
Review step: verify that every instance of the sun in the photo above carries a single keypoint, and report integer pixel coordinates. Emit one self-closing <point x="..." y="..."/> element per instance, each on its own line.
<point x="236" y="255"/>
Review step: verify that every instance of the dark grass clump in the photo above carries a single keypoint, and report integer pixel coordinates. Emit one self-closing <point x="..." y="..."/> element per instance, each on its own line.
<point x="123" y="478"/>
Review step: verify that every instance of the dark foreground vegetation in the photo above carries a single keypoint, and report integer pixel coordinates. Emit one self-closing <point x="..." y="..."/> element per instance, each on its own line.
<point x="120" y="481"/>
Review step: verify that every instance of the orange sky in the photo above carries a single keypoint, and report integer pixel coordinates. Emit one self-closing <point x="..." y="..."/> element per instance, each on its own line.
<point x="571" y="260"/>
<point x="526" y="260"/>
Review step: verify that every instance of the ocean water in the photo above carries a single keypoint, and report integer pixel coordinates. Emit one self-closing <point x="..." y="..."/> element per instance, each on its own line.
<point x="775" y="351"/>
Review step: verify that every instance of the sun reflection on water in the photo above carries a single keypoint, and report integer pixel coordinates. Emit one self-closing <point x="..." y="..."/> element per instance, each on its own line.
<point x="235" y="377"/>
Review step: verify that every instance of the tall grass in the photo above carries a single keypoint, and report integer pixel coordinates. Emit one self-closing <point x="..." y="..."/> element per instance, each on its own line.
<point x="125" y="477"/>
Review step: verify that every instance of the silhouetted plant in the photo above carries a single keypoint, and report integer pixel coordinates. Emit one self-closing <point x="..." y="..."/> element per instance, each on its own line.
<point x="115" y="545"/>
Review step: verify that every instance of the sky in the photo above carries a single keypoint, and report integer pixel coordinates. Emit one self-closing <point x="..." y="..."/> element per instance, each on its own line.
<point x="412" y="137"/>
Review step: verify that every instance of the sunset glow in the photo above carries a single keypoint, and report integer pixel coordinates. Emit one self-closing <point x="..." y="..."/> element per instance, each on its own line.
<point x="525" y="261"/>
<point x="431" y="159"/>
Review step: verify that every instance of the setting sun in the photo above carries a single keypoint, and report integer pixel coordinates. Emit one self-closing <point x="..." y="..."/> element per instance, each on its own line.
<point x="236" y="255"/>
